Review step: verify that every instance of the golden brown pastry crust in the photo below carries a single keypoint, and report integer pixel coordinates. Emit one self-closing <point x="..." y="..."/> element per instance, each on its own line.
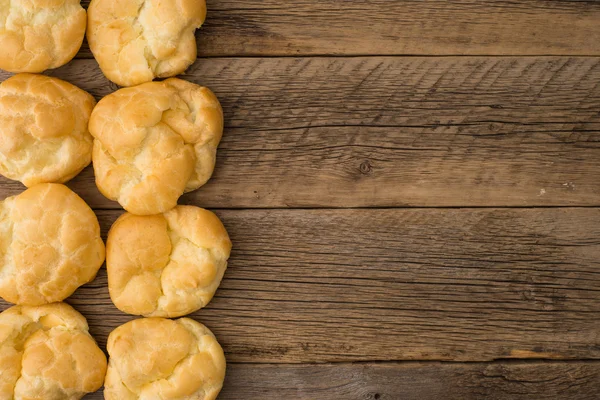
<point x="37" y="35"/>
<point x="166" y="265"/>
<point x="46" y="352"/>
<point x="155" y="141"/>
<point x="44" y="129"/>
<point x="49" y="245"/>
<point x="135" y="41"/>
<point x="156" y="358"/>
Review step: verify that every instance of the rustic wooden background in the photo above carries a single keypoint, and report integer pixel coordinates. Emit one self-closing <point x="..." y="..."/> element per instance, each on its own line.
<point x="413" y="193"/>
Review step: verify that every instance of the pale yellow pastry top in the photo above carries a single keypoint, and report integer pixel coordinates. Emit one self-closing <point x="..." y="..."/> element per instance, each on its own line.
<point x="46" y="352"/>
<point x="166" y="265"/>
<point x="49" y="245"/>
<point x="155" y="141"/>
<point x="159" y="359"/>
<point x="135" y="41"/>
<point x="43" y="129"/>
<point x="36" y="35"/>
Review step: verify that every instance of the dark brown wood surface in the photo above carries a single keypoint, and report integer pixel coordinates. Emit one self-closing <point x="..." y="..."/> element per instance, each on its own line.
<point x="398" y="27"/>
<point x="412" y="381"/>
<point x="393" y="131"/>
<point x="308" y="286"/>
<point x="413" y="193"/>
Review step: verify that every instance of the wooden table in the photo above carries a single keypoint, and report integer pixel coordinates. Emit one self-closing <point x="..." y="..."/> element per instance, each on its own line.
<point x="412" y="189"/>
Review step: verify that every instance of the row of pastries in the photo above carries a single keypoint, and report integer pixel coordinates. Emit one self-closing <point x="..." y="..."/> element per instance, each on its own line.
<point x="149" y="142"/>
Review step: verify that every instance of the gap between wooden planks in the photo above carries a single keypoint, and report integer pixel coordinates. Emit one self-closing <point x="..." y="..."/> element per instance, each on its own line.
<point x="392" y="132"/>
<point x="392" y="27"/>
<point x="411" y="381"/>
<point x="373" y="285"/>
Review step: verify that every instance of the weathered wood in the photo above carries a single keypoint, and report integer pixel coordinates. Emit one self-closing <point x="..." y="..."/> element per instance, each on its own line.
<point x="393" y="131"/>
<point x="412" y="381"/>
<point x="392" y="27"/>
<point x="422" y="284"/>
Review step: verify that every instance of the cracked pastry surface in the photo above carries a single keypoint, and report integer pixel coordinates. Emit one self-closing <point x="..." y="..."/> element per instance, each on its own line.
<point x="46" y="352"/>
<point x="156" y="358"/>
<point x="155" y="141"/>
<point x="44" y="133"/>
<point x="135" y="41"/>
<point x="166" y="265"/>
<point x="49" y="245"/>
<point x="37" y="35"/>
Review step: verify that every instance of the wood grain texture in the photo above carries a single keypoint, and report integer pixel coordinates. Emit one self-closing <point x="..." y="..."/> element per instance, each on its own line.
<point x="392" y="27"/>
<point x="392" y="131"/>
<point x="423" y="284"/>
<point x="411" y="381"/>
<point x="308" y="286"/>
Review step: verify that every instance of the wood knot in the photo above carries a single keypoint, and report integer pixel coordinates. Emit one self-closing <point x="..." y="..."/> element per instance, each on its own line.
<point x="365" y="167"/>
<point x="494" y="127"/>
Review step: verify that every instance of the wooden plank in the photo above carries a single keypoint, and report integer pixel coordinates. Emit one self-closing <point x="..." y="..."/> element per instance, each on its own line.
<point x="391" y="27"/>
<point x="377" y="285"/>
<point x="411" y="381"/>
<point x="393" y="131"/>
<point x="417" y="381"/>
